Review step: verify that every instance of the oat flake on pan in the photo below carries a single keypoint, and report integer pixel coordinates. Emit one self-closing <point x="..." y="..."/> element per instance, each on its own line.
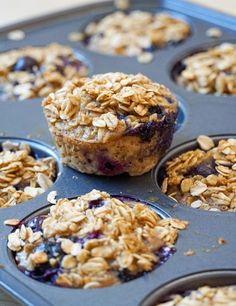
<point x="23" y="177"/>
<point x="211" y="72"/>
<point x="112" y="123"/>
<point x="93" y="241"/>
<point x="134" y="33"/>
<point x="204" y="179"/>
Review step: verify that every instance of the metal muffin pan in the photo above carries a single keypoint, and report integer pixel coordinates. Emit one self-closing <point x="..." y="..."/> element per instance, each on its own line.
<point x="202" y="114"/>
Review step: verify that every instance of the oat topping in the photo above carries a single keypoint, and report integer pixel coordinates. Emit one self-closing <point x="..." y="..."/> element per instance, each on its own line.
<point x="22" y="176"/>
<point x="209" y="296"/>
<point x="93" y="241"/>
<point x="37" y="71"/>
<point x="204" y="179"/>
<point x="211" y="71"/>
<point x="133" y="33"/>
<point x="108" y="106"/>
<point x="12" y="222"/>
<point x="16" y="35"/>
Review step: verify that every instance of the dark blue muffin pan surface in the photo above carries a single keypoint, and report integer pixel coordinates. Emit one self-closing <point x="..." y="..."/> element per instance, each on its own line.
<point x="199" y="114"/>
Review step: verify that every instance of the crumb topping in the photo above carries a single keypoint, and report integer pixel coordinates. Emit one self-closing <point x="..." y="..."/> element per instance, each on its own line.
<point x="204" y="179"/>
<point x="95" y="240"/>
<point x="133" y="33"/>
<point x="106" y="106"/>
<point x="211" y="71"/>
<point x="210" y="296"/>
<point x="36" y="71"/>
<point x="22" y="176"/>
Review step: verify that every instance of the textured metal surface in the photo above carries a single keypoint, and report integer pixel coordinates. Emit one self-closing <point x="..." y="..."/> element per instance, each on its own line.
<point x="203" y="114"/>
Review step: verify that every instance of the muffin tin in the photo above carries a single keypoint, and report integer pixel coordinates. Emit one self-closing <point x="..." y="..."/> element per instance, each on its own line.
<point x="200" y="114"/>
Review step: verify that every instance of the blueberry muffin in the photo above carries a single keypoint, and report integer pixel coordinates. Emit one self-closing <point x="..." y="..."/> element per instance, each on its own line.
<point x="204" y="296"/>
<point x="134" y="33"/>
<point x="212" y="71"/>
<point x="22" y="176"/>
<point x="204" y="177"/>
<point x="93" y="241"/>
<point x="36" y="71"/>
<point x="112" y="123"/>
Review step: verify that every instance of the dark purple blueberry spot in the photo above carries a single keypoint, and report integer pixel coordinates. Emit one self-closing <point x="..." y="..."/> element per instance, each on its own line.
<point x="60" y="69"/>
<point x="157" y="109"/>
<point x="44" y="273"/>
<point x="125" y="275"/>
<point x="76" y="64"/>
<point x="36" y="223"/>
<point x="147" y="130"/>
<point x="204" y="169"/>
<point x="92" y="235"/>
<point x="109" y="167"/>
<point x="96" y="203"/>
<point x="26" y="63"/>
<point x="170" y="100"/>
<point x="121" y="117"/>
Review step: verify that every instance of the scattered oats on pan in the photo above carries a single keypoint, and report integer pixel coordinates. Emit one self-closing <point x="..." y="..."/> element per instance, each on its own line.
<point x="122" y="4"/>
<point x="12" y="222"/>
<point x="94" y="241"/>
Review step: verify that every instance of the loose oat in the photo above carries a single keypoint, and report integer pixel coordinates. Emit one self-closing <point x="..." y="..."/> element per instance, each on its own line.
<point x="204" y="179"/>
<point x="51" y="198"/>
<point x="122" y="4"/>
<point x="189" y="253"/>
<point x="210" y="296"/>
<point x="12" y="222"/>
<point x="145" y="57"/>
<point x="133" y="33"/>
<point x="37" y="71"/>
<point x="93" y="241"/>
<point x="19" y="171"/>
<point x="16" y="35"/>
<point x="211" y="71"/>
<point x="214" y="32"/>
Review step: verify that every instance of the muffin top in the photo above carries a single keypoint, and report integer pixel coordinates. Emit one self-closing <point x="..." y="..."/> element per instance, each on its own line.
<point x="210" y="296"/>
<point x="22" y="176"/>
<point x="95" y="240"/>
<point x="205" y="177"/>
<point x="133" y="33"/>
<point x="108" y="106"/>
<point x="211" y="71"/>
<point x="36" y="71"/>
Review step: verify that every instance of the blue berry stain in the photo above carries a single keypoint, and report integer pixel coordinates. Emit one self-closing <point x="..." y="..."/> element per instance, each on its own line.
<point x="25" y="63"/>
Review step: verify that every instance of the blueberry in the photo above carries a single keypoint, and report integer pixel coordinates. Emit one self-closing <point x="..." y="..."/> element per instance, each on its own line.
<point x="52" y="248"/>
<point x="109" y="167"/>
<point x="170" y="100"/>
<point x="203" y="169"/>
<point x="96" y="203"/>
<point x="126" y="276"/>
<point x="160" y="111"/>
<point x="25" y="63"/>
<point x="36" y="223"/>
<point x="147" y="130"/>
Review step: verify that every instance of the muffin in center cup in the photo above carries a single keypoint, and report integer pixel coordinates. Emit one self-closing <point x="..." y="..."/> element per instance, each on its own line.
<point x="112" y="123"/>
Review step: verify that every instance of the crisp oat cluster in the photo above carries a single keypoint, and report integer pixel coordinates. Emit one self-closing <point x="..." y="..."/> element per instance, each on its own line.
<point x="95" y="119"/>
<point x="23" y="177"/>
<point x="204" y="178"/>
<point x="134" y="33"/>
<point x="211" y="71"/>
<point x="93" y="241"/>
<point x="208" y="296"/>
<point x="36" y="71"/>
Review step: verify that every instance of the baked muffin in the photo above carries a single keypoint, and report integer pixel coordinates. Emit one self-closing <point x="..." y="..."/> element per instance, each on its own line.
<point x="36" y="71"/>
<point x="205" y="295"/>
<point x="205" y="177"/>
<point x="23" y="176"/>
<point x="112" y="123"/>
<point x="134" y="33"/>
<point x="95" y="240"/>
<point x="210" y="72"/>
